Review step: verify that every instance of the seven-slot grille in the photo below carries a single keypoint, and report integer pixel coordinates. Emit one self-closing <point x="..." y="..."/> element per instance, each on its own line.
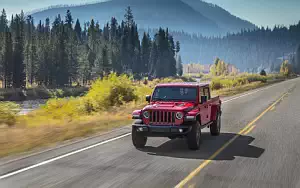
<point x="162" y="117"/>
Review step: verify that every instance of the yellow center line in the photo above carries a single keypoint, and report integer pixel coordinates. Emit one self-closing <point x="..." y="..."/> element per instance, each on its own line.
<point x="249" y="130"/>
<point x="244" y="131"/>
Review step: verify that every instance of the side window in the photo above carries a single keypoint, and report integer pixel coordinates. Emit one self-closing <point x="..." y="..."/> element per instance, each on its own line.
<point x="201" y="93"/>
<point x="204" y="92"/>
<point x="207" y="93"/>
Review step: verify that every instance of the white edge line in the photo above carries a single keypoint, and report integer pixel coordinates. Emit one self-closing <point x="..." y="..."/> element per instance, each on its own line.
<point x="101" y="143"/>
<point x="62" y="156"/>
<point x="250" y="93"/>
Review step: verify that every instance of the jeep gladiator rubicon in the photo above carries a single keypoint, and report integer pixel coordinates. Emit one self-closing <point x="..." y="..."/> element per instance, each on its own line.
<point x="177" y="110"/>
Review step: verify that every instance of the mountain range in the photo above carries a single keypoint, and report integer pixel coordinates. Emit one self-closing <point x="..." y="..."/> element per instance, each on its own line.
<point x="192" y="16"/>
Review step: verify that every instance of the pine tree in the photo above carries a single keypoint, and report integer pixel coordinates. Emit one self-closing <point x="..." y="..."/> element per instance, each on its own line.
<point x="105" y="61"/>
<point x="78" y="30"/>
<point x="19" y="74"/>
<point x="129" y="19"/>
<point x="8" y="60"/>
<point x="172" y="60"/>
<point x="177" y="47"/>
<point x="179" y="66"/>
<point x="113" y="28"/>
<point x="3" y="22"/>
<point x="145" y="54"/>
<point x="69" y="19"/>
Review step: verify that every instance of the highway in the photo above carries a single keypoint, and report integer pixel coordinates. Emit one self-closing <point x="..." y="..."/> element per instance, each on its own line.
<point x="258" y="147"/>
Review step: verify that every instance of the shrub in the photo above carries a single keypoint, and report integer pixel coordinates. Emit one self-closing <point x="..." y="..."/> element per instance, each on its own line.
<point x="216" y="84"/>
<point x="111" y="91"/>
<point x="8" y="113"/>
<point x="263" y="73"/>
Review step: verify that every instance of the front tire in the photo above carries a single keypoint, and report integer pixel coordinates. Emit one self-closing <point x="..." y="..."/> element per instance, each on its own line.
<point x="194" y="137"/>
<point x="215" y="127"/>
<point x="138" y="140"/>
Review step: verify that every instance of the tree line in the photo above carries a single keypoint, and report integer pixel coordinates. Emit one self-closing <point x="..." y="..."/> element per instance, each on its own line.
<point x="65" y="51"/>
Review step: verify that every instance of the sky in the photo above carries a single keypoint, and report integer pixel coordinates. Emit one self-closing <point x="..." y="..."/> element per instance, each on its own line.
<point x="260" y="12"/>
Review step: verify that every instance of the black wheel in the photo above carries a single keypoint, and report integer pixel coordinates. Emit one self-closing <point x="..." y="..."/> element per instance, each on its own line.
<point x="172" y="137"/>
<point x="215" y="127"/>
<point x="194" y="137"/>
<point x="138" y="140"/>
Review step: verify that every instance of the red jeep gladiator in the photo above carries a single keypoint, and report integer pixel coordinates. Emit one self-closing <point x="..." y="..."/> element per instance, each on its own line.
<point x="177" y="110"/>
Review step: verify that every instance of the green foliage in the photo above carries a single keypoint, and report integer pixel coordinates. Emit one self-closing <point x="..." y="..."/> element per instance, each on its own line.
<point x="286" y="68"/>
<point x="8" y="113"/>
<point x="219" y="68"/>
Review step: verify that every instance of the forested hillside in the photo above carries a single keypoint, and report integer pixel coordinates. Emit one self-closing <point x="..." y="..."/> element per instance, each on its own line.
<point x="249" y="50"/>
<point x="63" y="51"/>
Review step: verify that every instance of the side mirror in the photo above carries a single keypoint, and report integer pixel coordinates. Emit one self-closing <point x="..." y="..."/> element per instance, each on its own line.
<point x="203" y="99"/>
<point x="148" y="98"/>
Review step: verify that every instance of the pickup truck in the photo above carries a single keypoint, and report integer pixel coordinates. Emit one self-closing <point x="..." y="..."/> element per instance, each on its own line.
<point x="177" y="110"/>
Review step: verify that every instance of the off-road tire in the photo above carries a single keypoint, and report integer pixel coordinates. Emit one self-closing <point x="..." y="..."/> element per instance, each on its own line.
<point x="194" y="137"/>
<point x="138" y="140"/>
<point x="215" y="127"/>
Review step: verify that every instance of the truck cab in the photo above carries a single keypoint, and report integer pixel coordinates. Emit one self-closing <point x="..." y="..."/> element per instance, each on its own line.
<point x="177" y="110"/>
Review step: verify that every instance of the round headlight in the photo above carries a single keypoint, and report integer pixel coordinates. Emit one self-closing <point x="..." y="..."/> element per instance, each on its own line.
<point x="146" y="114"/>
<point x="179" y="115"/>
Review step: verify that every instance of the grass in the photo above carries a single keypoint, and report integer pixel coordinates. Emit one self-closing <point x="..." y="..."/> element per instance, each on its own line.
<point x="108" y="105"/>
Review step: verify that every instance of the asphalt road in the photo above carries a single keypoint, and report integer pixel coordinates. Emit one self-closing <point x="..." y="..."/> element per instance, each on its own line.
<point x="265" y="155"/>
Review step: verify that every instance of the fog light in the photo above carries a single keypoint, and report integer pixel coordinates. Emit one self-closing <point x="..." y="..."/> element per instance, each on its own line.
<point x="180" y="130"/>
<point x="140" y="129"/>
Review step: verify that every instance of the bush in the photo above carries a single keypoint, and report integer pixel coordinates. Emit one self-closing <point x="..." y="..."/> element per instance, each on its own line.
<point x="8" y="113"/>
<point x="263" y="73"/>
<point x="216" y="84"/>
<point x="111" y="91"/>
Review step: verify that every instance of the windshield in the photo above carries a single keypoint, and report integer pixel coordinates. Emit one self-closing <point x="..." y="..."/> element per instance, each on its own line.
<point x="174" y="94"/>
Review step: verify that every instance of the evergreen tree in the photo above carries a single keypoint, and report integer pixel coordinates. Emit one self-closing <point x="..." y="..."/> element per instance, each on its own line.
<point x="129" y="20"/>
<point x="113" y="28"/>
<point x="3" y="22"/>
<point x="78" y="30"/>
<point x="69" y="19"/>
<point x="105" y="61"/>
<point x="19" y="74"/>
<point x="179" y="66"/>
<point x="8" y="60"/>
<point x="145" y="54"/>
<point x="177" y="47"/>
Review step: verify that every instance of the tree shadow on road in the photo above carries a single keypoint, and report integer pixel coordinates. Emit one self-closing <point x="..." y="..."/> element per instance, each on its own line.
<point x="178" y="148"/>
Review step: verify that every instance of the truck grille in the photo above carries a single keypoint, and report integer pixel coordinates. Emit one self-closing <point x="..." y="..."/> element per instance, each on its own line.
<point x="162" y="117"/>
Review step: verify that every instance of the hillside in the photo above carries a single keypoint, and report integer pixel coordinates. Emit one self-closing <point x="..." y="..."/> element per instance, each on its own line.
<point x="182" y="15"/>
<point x="223" y="18"/>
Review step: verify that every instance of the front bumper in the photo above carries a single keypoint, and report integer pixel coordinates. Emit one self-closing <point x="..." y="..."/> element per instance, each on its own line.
<point x="162" y="131"/>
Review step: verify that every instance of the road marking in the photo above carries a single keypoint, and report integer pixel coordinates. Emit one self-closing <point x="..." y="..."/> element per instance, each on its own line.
<point x="249" y="130"/>
<point x="272" y="109"/>
<point x="61" y="157"/>
<point x="244" y="131"/>
<point x="250" y="93"/>
<point x="120" y="137"/>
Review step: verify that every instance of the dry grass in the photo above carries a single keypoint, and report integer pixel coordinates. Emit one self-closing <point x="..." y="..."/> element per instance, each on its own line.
<point x="23" y="138"/>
